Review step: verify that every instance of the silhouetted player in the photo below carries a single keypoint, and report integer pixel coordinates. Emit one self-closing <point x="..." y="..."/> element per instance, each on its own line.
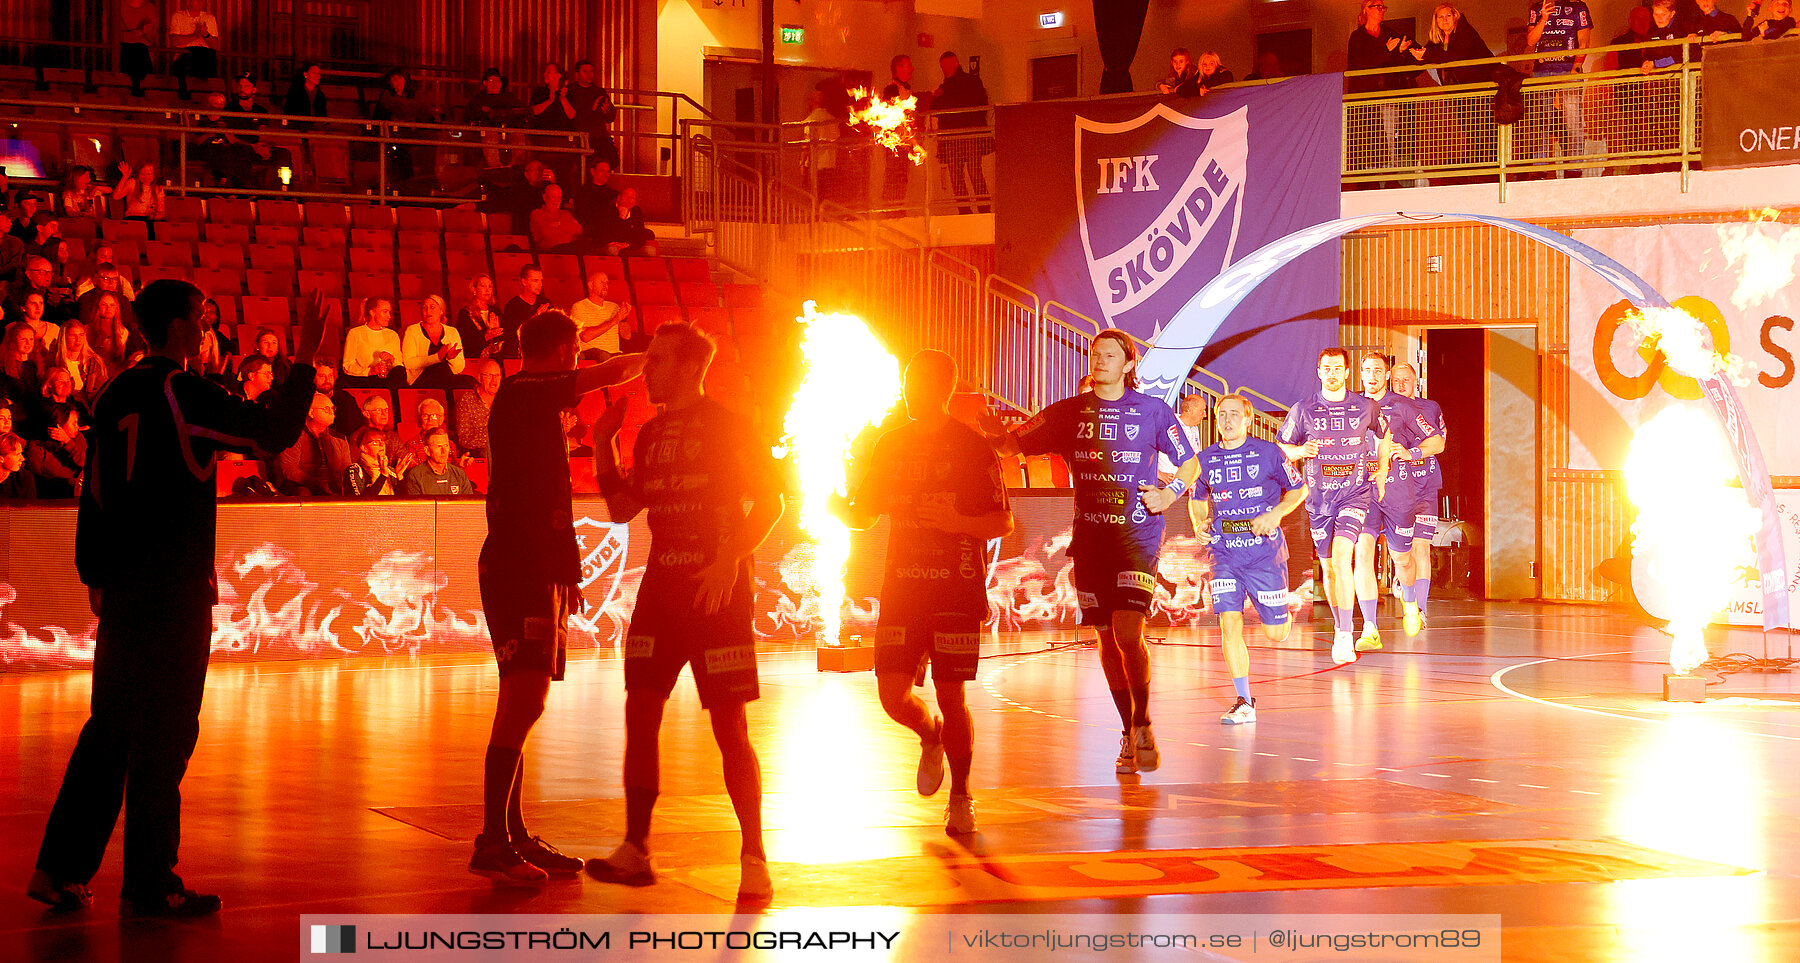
<point x="530" y="577"/>
<point x="144" y="542"/>
<point x="694" y="466"/>
<point x="940" y="484"/>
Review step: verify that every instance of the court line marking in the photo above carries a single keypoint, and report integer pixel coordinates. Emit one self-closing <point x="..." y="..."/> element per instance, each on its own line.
<point x="1498" y="681"/>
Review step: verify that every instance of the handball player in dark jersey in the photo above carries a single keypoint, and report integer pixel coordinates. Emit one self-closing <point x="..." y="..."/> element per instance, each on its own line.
<point x="1409" y="438"/>
<point x="694" y="467"/>
<point x="1245" y="488"/>
<point x="1110" y="437"/>
<point x="1429" y="480"/>
<point x="530" y="573"/>
<point x="1334" y="431"/>
<point x="940" y="485"/>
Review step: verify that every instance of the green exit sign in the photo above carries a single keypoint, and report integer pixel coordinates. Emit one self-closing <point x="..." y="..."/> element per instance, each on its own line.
<point x="793" y="34"/>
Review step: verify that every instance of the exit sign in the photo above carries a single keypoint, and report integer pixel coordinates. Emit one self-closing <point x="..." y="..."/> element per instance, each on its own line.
<point x="1050" y="21"/>
<point x="793" y="34"/>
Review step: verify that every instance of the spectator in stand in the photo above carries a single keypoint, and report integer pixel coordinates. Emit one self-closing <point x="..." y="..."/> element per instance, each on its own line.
<point x="551" y="111"/>
<point x="430" y="414"/>
<point x="12" y="255"/>
<point x="824" y="129"/>
<point x="1182" y="79"/>
<point x="1374" y="45"/>
<point x="1268" y="67"/>
<point x="472" y="408"/>
<point x="212" y="320"/>
<point x="41" y="282"/>
<point x="105" y="275"/>
<point x="255" y="377"/>
<point x="1551" y="26"/>
<point x="492" y="108"/>
<point x="116" y="340"/>
<point x="45" y="236"/>
<point x="624" y="231"/>
<point x="57" y="459"/>
<point x="137" y="34"/>
<point x="306" y="95"/>
<point x="378" y="413"/>
<point x="478" y="322"/>
<point x="62" y="288"/>
<point x="599" y="323"/>
<point x="59" y="389"/>
<point x="81" y="196"/>
<point x="433" y="349"/>
<point x="1450" y="39"/>
<point x="268" y="344"/>
<point x="594" y="200"/>
<point x="961" y="154"/>
<point x="399" y="100"/>
<point x="141" y="195"/>
<point x="16" y="484"/>
<point x="26" y="205"/>
<point x="1637" y="30"/>
<point x="436" y="477"/>
<point x="1663" y="26"/>
<point x="196" y="32"/>
<point x="257" y="162"/>
<point x="553" y="228"/>
<point x="22" y="363"/>
<point x="372" y="350"/>
<point x="85" y="367"/>
<point x="370" y="476"/>
<point x="1779" y="23"/>
<point x="530" y="302"/>
<point x="896" y="171"/>
<point x="1711" y="24"/>
<point x="349" y="414"/>
<point x="594" y="112"/>
<point x="315" y="464"/>
<point x="32" y="314"/>
<point x="1211" y="71"/>
<point x="210" y="362"/>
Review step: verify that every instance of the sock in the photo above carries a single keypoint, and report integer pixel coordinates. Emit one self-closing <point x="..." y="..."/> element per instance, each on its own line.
<point x="639" y="803"/>
<point x="497" y="773"/>
<point x="1340" y="618"/>
<point x="515" y="814"/>
<point x="1368" y="607"/>
<point x="1242" y="685"/>
<point x="1406" y="592"/>
<point x="1122" y="701"/>
<point x="1140" y="705"/>
<point x="1421" y="590"/>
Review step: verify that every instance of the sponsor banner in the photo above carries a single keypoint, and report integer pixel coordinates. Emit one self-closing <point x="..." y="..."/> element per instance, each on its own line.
<point x="1747" y="105"/>
<point x="1747" y="600"/>
<point x="1123" y="208"/>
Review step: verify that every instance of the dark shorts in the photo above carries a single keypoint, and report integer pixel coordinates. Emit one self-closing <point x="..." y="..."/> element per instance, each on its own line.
<point x="1116" y="578"/>
<point x="666" y="633"/>
<point x="1392" y="517"/>
<point x="1338" y="513"/>
<point x="527" y="621"/>
<point x="952" y="641"/>
<point x="1262" y="581"/>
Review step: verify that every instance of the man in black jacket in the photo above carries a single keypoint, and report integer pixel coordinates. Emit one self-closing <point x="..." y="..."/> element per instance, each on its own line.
<point x="962" y="152"/>
<point x="144" y="545"/>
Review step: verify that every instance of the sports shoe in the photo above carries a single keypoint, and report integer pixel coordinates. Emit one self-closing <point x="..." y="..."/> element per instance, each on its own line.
<point x="1411" y="619"/>
<point x="178" y="903"/>
<point x="1371" y="639"/>
<point x="547" y="857"/>
<point x="754" y="885"/>
<point x="496" y="859"/>
<point x="1343" y="651"/>
<point x="1128" y="760"/>
<point x="1242" y="711"/>
<point x="931" y="763"/>
<point x="629" y="865"/>
<point x="60" y="897"/>
<point x="959" y="816"/>
<point x="1147" y="756"/>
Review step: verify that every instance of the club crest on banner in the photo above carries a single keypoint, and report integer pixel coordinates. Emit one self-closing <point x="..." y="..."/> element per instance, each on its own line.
<point x="603" y="546"/>
<point x="1155" y="194"/>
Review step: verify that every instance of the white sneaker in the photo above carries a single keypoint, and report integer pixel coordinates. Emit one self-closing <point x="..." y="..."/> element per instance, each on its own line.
<point x="1243" y="711"/>
<point x="1343" y="649"/>
<point x="931" y="764"/>
<point x="1128" y="760"/>
<point x="754" y="885"/>
<point x="959" y="816"/>
<point x="629" y="865"/>
<point x="1147" y="756"/>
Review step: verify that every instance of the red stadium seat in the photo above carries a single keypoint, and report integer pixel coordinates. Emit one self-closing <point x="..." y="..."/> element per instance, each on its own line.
<point x="271" y="257"/>
<point x="228" y="311"/>
<point x="188" y="209"/>
<point x="124" y="230"/>
<point x="699" y="294"/>
<point x="421" y="261"/>
<point x="376" y="259"/>
<point x="418" y="241"/>
<point x="278" y="212"/>
<point x="336" y="237"/>
<point x="372" y="217"/>
<point x="373" y="284"/>
<point x="221" y="256"/>
<point x="287" y="235"/>
<point x="322" y="258"/>
<point x="457" y="241"/>
<point x="647" y="268"/>
<point x="512" y="243"/>
<point x="743" y="297"/>
<point x="362" y="396"/>
<point x="466" y="264"/>
<point x="178" y="231"/>
<point x="500" y="222"/>
<point x="477" y="471"/>
<point x="85" y="228"/>
<point x="215" y="281"/>
<point x="169" y="253"/>
<point x="653" y="292"/>
<point x="229" y="473"/>
<point x="370" y="238"/>
<point x="459" y="220"/>
<point x="329" y="284"/>
<point x="269" y="284"/>
<point x="419" y="219"/>
<point x="413" y="287"/>
<point x="690" y="269"/>
<point x="323" y="214"/>
<point x="230" y="210"/>
<point x="613" y="266"/>
<point x="407" y="410"/>
<point x="264" y="311"/>
<point x="230" y="233"/>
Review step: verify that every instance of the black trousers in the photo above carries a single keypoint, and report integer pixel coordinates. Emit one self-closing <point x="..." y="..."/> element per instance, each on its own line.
<point x="149" y="673"/>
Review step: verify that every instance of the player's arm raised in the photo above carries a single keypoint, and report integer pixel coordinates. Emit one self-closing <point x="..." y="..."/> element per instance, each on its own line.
<point x="622" y="502"/>
<point x="613" y="371"/>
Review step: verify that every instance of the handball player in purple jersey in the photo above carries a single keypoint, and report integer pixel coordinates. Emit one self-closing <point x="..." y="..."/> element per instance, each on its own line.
<point x="1429" y="480"/>
<point x="1409" y="438"/>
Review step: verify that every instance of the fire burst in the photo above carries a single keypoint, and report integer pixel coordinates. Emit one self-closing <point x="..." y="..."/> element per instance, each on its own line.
<point x="890" y="121"/>
<point x="1764" y="261"/>
<point x="851" y="383"/>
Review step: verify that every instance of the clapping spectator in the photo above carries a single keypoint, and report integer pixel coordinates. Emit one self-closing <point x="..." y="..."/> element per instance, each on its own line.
<point x="530" y="302"/>
<point x="492" y="107"/>
<point x="211" y="320"/>
<point x="315" y="464"/>
<point x="16" y="484"/>
<point x="84" y="366"/>
<point x="1451" y="38"/>
<point x="594" y="112"/>
<point x="472" y="407"/>
<point x="1182" y="79"/>
<point x="370" y="476"/>
<point x="436" y="476"/>
<point x="430" y="414"/>
<point x="58" y="458"/>
<point x="137" y="34"/>
<point x="378" y="413"/>
<point x="141" y="195"/>
<point x="551" y="110"/>
<point x="1211" y="71"/>
<point x="81" y="196"/>
<point x="433" y="349"/>
<point x="372" y="350"/>
<point x="1779" y="23"/>
<point x="478" y="322"/>
<point x="598" y="322"/>
<point x="196" y="32"/>
<point x="625" y="231"/>
<point x="1374" y="45"/>
<point x="574" y="434"/>
<point x="211" y="363"/>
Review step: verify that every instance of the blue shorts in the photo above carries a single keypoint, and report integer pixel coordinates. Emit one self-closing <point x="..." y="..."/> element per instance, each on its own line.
<point x="1392" y="517"/>
<point x="1339" y="513"/>
<point x="1263" y="580"/>
<point x="1117" y="578"/>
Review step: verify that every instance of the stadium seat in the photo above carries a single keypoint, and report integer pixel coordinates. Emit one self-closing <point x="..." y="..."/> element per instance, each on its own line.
<point x="690" y="269"/>
<point x="418" y="240"/>
<point x="85" y="228"/>
<point x="122" y="230"/>
<point x="178" y="231"/>
<point x="463" y="221"/>
<point x="284" y="234"/>
<point x="231" y="232"/>
<point x="230" y="210"/>
<point x="743" y="297"/>
<point x="613" y="266"/>
<point x="420" y="261"/>
<point x="418" y="219"/>
<point x="169" y="253"/>
<point x="269" y="213"/>
<point x="373" y="284"/>
<point x="216" y="281"/>
<point x="362" y="396"/>
<point x="322" y="214"/>
<point x="647" y="268"/>
<point x="268" y="283"/>
<point x="329" y="284"/>
<point x="466" y="264"/>
<point x="378" y="259"/>
<point x="713" y="321"/>
<point x="337" y="237"/>
<point x="407" y="410"/>
<point x="363" y="237"/>
<point x="189" y="209"/>
<point x="414" y="287"/>
<point x="216" y="255"/>
<point x="511" y="243"/>
<point x="699" y="294"/>
<point x="653" y="292"/>
<point x="477" y="471"/>
<point x="321" y="258"/>
<point x="460" y="241"/>
<point x="374" y="217"/>
<point x="271" y="257"/>
<point x="128" y="254"/>
<point x="263" y="311"/>
<point x="500" y="222"/>
<point x="228" y="310"/>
